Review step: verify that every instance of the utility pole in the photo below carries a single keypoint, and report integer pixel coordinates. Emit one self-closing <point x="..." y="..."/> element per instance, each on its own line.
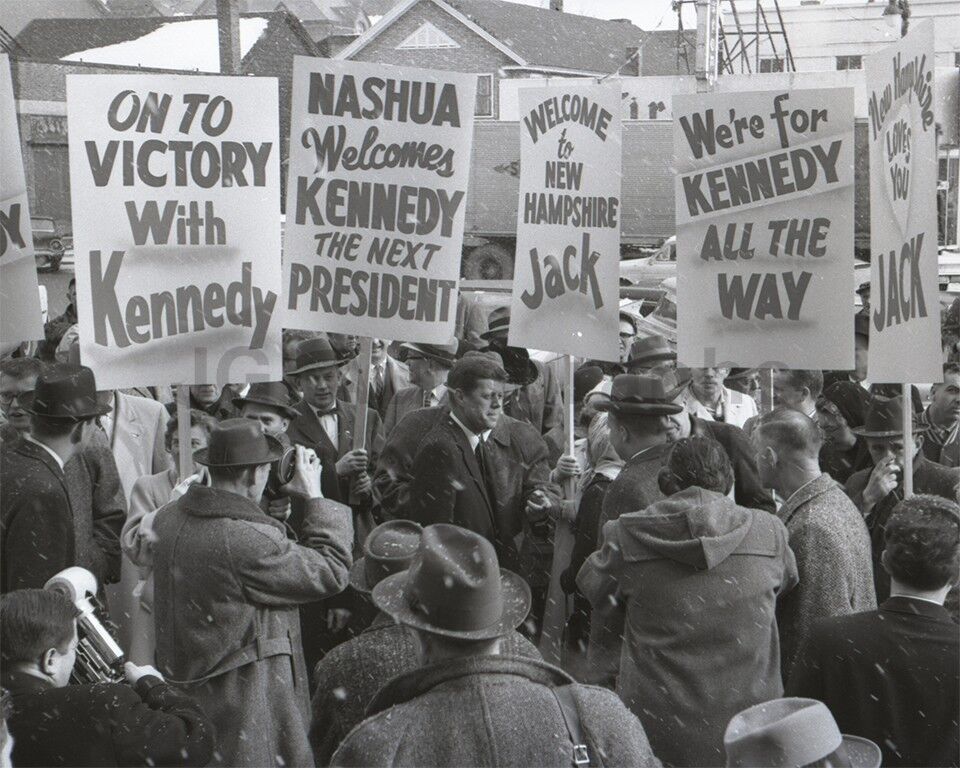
<point x="556" y="5"/>
<point x="228" y="31"/>
<point x="708" y="43"/>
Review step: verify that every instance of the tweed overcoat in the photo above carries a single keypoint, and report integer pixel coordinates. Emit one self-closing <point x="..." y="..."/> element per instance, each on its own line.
<point x="227" y="583"/>
<point x="347" y="678"/>
<point x="407" y="400"/>
<point x="832" y="547"/>
<point x="490" y="710"/>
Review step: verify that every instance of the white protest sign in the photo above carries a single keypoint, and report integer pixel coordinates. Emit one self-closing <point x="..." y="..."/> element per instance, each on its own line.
<point x="566" y="283"/>
<point x="175" y="185"/>
<point x="904" y="296"/>
<point x="764" y="201"/>
<point x="21" y="318"/>
<point x="379" y="165"/>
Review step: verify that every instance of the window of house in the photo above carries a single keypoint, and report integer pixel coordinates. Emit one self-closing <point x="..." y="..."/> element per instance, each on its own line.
<point x="849" y="62"/>
<point x="771" y="64"/>
<point x="484" y="106"/>
<point x="428" y="36"/>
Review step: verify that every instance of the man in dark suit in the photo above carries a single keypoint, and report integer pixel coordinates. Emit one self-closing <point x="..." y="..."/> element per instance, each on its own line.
<point x="146" y="722"/>
<point x="387" y="377"/>
<point x="484" y="471"/>
<point x="429" y="365"/>
<point x="892" y="675"/>
<point x="42" y="531"/>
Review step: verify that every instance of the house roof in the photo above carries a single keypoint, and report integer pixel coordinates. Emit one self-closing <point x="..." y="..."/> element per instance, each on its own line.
<point x="15" y="15"/>
<point x="305" y="10"/>
<point x="132" y="8"/>
<point x="179" y="43"/>
<point x="660" y="49"/>
<point x="533" y="36"/>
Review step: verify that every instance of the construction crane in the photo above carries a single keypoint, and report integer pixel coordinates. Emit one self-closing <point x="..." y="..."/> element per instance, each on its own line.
<point x="737" y="47"/>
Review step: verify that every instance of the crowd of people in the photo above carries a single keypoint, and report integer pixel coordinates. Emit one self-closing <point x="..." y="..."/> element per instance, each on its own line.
<point x="746" y="586"/>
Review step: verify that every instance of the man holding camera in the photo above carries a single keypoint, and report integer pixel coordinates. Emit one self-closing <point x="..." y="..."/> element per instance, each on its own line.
<point x="53" y="723"/>
<point x="228" y="581"/>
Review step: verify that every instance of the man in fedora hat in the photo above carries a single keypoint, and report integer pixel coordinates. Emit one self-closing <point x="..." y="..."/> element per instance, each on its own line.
<point x="45" y="526"/>
<point x="487" y="472"/>
<point x="908" y="649"/>
<point x="227" y="583"/>
<point x="537" y="401"/>
<point x="786" y="733"/>
<point x="827" y="532"/>
<point x="637" y="415"/>
<point x="387" y="377"/>
<point x="700" y="577"/>
<point x="651" y="355"/>
<point x="429" y="365"/>
<point x="347" y="678"/>
<point x="468" y="704"/>
<point x="942" y="418"/>
<point x="878" y="489"/>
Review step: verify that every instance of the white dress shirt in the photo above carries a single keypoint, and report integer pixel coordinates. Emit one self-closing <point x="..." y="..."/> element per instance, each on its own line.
<point x="47" y="448"/>
<point x="436" y="395"/>
<point x="330" y="423"/>
<point x="472" y="437"/>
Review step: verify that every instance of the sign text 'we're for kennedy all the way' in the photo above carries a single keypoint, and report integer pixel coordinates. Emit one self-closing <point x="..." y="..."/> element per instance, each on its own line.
<point x="175" y="191"/>
<point x="764" y="201"/>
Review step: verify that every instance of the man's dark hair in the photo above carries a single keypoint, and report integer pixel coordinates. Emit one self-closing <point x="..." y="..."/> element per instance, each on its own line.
<point x="230" y="474"/>
<point x="800" y="378"/>
<point x="43" y="426"/>
<point x="32" y="621"/>
<point x="469" y="371"/>
<point x="923" y="542"/>
<point x="21" y="367"/>
<point x="700" y="462"/>
<point x="73" y="281"/>
<point x="791" y="430"/>
<point x="626" y="317"/>
<point x="197" y="419"/>
<point x="951" y="368"/>
<point x="640" y="424"/>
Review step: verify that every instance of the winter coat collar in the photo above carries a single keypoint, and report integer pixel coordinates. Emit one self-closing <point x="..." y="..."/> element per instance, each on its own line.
<point x="413" y="684"/>
<point x="201" y="501"/>
<point x="19" y="683"/>
<point x="801" y="496"/>
<point x="922" y="608"/>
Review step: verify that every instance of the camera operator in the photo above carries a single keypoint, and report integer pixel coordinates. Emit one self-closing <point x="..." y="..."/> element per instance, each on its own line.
<point x="53" y="723"/>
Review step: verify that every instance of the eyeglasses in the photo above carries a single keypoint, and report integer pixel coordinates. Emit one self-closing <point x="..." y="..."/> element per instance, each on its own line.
<point x="7" y="398"/>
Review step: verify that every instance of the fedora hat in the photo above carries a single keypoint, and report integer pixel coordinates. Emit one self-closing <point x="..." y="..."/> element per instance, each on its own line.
<point x="455" y="588"/>
<point x="585" y="378"/>
<point x="498" y="323"/>
<point x="521" y="370"/>
<point x="641" y="395"/>
<point x="792" y="732"/>
<point x="65" y="391"/>
<point x="388" y="549"/>
<point x="442" y="353"/>
<point x="885" y="419"/>
<point x="276" y="394"/>
<point x="650" y="349"/>
<point x="239" y="443"/>
<point x="313" y="354"/>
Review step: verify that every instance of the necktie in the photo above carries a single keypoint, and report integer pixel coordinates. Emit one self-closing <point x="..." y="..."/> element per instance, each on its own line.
<point x="481" y="453"/>
<point x="378" y="380"/>
<point x="427" y="399"/>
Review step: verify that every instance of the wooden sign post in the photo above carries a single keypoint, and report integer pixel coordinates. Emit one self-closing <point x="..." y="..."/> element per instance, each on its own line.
<point x="907" y="396"/>
<point x="183" y="431"/>
<point x="363" y="398"/>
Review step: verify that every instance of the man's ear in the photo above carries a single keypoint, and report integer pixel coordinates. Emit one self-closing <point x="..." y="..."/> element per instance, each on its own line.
<point x="48" y="661"/>
<point x="76" y="434"/>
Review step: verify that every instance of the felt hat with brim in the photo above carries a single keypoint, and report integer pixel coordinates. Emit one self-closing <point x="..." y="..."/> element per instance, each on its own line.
<point x="740" y="373"/>
<point x="65" y="391"/>
<point x="442" y="353"/>
<point x="585" y="379"/>
<point x="316" y="354"/>
<point x="641" y="395"/>
<point x="388" y="549"/>
<point x="498" y="323"/>
<point x="649" y="350"/>
<point x="521" y="370"/>
<point x="885" y="419"/>
<point x="792" y="732"/>
<point x="239" y="443"/>
<point x="276" y="394"/>
<point x="455" y="588"/>
<point x="863" y="288"/>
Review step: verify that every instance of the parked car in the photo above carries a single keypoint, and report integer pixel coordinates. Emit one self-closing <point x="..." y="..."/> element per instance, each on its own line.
<point x="47" y="243"/>
<point x="651" y="271"/>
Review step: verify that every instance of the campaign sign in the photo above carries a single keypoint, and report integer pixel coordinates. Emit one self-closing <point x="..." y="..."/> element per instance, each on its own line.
<point x="20" y="314"/>
<point x="566" y="282"/>
<point x="764" y="201"/>
<point x="379" y="165"/>
<point x="904" y="296"/>
<point x="175" y="185"/>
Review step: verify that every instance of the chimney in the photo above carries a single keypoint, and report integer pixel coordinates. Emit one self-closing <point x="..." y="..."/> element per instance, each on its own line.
<point x="556" y="5"/>
<point x="228" y="31"/>
<point x="632" y="66"/>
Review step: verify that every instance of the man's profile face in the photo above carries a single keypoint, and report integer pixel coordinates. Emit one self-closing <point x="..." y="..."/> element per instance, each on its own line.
<point x="946" y="396"/>
<point x="344" y="344"/>
<point x="198" y="440"/>
<point x="64" y="661"/>
<point x="479" y="409"/>
<point x="785" y="393"/>
<point x="205" y="394"/>
<point x="627" y="336"/>
<point x="378" y="351"/>
<point x="10" y="390"/>
<point x="320" y="386"/>
<point x="887" y="448"/>
<point x="268" y="418"/>
<point x="72" y="293"/>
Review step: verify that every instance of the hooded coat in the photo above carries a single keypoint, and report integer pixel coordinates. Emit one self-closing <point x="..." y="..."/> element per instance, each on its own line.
<point x="699" y="577"/>
<point x="227" y="585"/>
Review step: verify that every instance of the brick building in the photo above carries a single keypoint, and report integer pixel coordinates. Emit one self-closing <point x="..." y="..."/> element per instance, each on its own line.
<point x="497" y="40"/>
<point x="59" y="47"/>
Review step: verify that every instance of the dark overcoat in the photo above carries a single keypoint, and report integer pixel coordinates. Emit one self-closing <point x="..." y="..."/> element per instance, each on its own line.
<point x="748" y="491"/>
<point x="490" y="710"/>
<point x="890" y="675"/>
<point x="227" y="583"/>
